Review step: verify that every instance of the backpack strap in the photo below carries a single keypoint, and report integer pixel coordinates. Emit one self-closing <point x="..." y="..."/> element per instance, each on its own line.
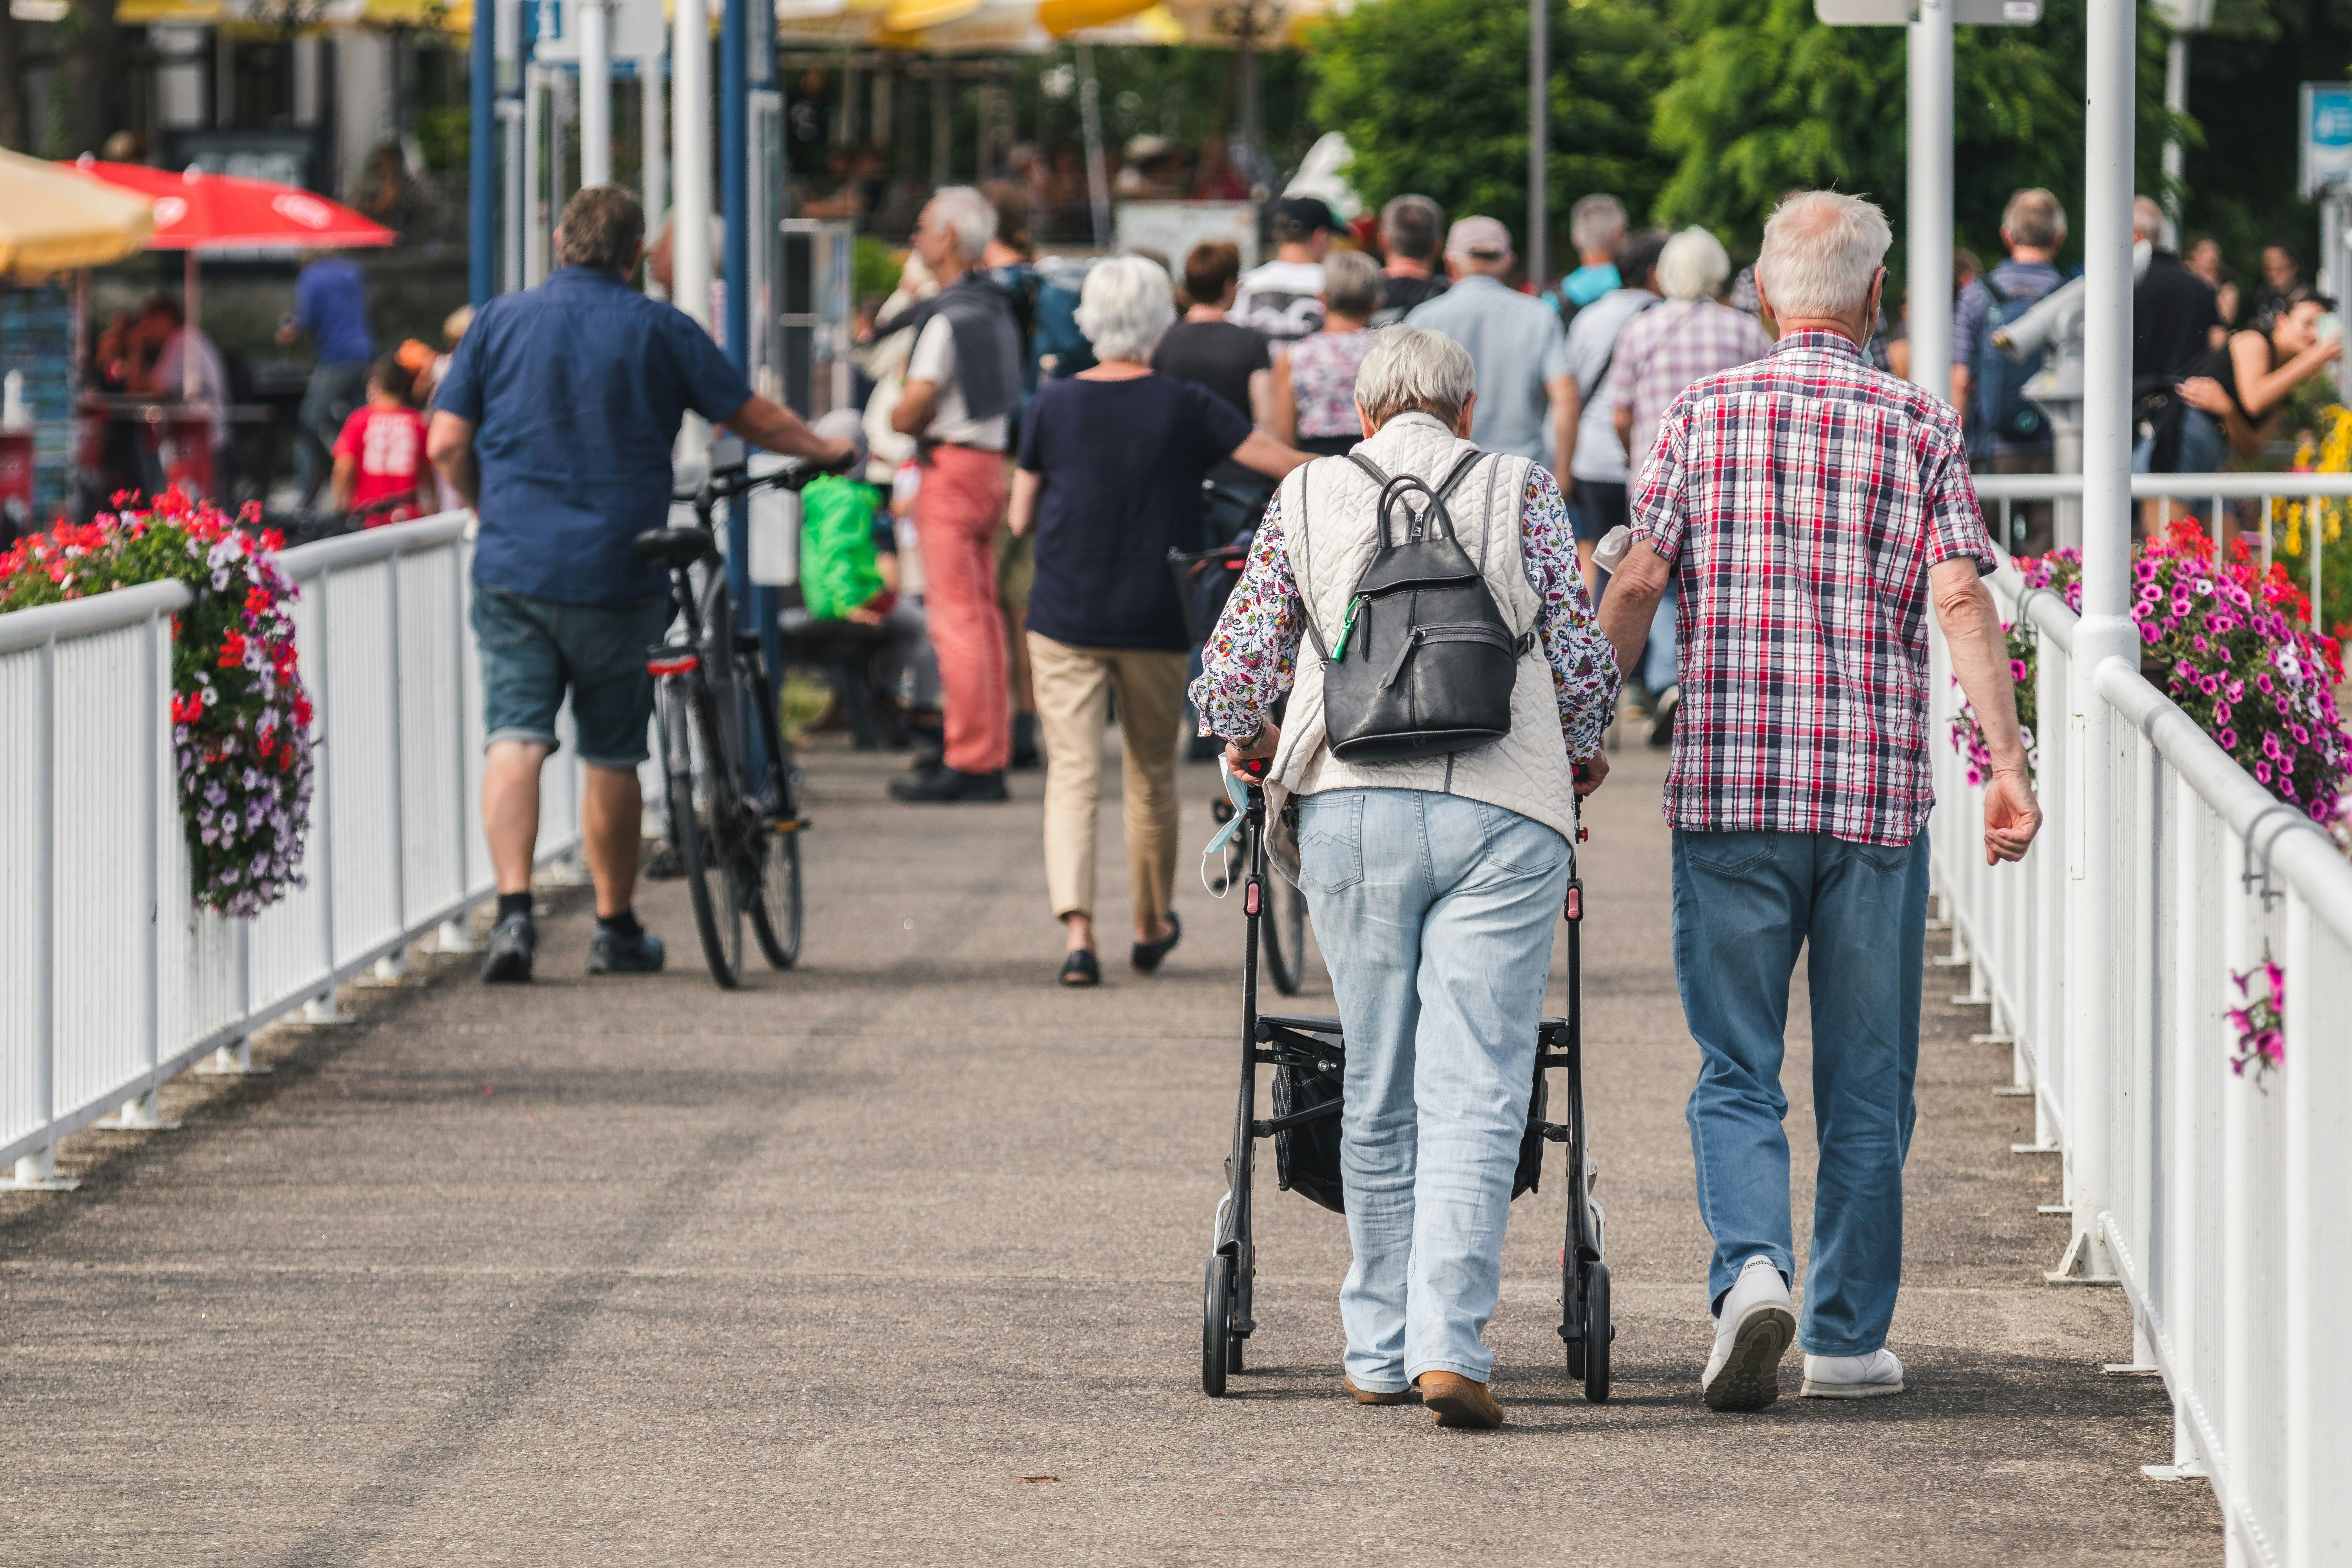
<point x="1298" y="576"/>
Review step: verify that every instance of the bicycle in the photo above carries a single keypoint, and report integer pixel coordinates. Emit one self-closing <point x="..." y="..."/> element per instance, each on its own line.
<point x="736" y="830"/>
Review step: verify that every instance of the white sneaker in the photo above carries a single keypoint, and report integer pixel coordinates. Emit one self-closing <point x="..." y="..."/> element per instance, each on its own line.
<point x="1754" y="1332"/>
<point x="1853" y="1376"/>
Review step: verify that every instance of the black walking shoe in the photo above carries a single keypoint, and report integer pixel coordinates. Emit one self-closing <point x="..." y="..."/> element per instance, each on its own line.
<point x="1662" y="717"/>
<point x="512" y="941"/>
<point x="948" y="784"/>
<point x="610" y="952"/>
<point x="1147" y="954"/>
<point x="1080" y="969"/>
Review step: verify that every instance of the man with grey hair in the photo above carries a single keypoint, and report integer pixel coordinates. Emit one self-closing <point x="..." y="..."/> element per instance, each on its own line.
<point x="1434" y="881"/>
<point x="1516" y="341"/>
<point x="963" y="383"/>
<point x="2174" y="319"/>
<point x="1811" y="510"/>
<point x="1596" y="225"/>
<point x="1410" y="227"/>
<point x="2007" y="433"/>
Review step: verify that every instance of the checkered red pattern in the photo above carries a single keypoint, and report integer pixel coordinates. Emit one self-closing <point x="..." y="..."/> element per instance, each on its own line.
<point x="1802" y="500"/>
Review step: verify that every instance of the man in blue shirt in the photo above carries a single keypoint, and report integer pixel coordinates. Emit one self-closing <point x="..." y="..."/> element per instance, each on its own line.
<point x="331" y="305"/>
<point x="555" y="423"/>
<point x="1597" y="224"/>
<point x="1514" y="339"/>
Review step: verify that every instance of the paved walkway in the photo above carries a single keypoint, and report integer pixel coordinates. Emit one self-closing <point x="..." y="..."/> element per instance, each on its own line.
<point x="897" y="1260"/>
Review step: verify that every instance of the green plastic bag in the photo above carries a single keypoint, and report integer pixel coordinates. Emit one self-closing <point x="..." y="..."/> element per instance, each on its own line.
<point x="837" y="569"/>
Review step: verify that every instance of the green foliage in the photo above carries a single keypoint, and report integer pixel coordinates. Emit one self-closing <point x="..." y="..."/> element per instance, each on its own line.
<point x="1765" y="100"/>
<point x="1432" y="97"/>
<point x="873" y="267"/>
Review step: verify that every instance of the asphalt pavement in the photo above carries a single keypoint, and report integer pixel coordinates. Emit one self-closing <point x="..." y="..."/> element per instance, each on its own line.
<point x="896" y="1258"/>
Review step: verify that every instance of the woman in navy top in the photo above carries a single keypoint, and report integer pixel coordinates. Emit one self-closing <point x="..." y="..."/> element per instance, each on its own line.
<point x="1109" y="481"/>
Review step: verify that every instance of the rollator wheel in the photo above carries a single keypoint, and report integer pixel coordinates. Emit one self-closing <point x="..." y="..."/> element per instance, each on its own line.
<point x="1219" y="1350"/>
<point x="1598" y="1331"/>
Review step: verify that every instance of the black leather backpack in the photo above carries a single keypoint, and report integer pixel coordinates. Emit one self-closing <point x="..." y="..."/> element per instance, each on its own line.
<point x="1423" y="663"/>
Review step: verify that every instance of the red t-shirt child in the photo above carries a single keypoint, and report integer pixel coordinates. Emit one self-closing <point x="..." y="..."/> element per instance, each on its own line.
<point x="388" y="446"/>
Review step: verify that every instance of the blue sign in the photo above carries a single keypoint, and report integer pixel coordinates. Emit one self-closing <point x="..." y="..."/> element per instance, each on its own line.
<point x="2326" y="135"/>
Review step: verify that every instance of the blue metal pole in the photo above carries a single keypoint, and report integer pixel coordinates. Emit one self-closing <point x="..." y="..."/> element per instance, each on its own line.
<point x="483" y="131"/>
<point x="734" y="175"/>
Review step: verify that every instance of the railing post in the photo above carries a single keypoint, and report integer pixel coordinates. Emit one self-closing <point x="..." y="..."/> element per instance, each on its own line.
<point x="323" y="1007"/>
<point x="392" y="965"/>
<point x="37" y="1171"/>
<point x="142" y="1112"/>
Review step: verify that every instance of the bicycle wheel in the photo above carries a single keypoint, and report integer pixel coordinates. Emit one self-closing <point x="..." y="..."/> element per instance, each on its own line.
<point x="775" y="888"/>
<point x="701" y="804"/>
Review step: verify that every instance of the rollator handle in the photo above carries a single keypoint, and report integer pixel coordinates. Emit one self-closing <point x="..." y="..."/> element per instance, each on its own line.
<point x="1573" y="910"/>
<point x="1255" y="769"/>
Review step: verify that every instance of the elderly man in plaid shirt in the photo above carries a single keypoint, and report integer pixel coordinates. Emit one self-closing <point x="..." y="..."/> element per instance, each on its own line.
<point x="1809" y="509"/>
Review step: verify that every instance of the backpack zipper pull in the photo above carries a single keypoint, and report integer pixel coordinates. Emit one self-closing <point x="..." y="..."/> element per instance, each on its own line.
<point x="1404" y="650"/>
<point x="1348" y="628"/>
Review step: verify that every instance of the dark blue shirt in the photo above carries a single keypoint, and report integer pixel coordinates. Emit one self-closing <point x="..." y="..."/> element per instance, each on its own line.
<point x="1122" y="462"/>
<point x="330" y="304"/>
<point x="576" y="389"/>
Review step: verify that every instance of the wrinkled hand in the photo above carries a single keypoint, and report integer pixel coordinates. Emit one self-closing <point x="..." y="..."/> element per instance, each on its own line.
<point x="843" y="458"/>
<point x="1591" y="771"/>
<point x="2012" y="816"/>
<point x="2204" y="392"/>
<point x="1268" y="738"/>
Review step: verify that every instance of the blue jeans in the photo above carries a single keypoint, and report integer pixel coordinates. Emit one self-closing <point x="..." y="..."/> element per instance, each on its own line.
<point x="1435" y="915"/>
<point x="1745" y="903"/>
<point x="2203" y="445"/>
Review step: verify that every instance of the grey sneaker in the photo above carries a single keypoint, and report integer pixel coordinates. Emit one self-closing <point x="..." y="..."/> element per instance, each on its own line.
<point x="512" y="941"/>
<point x="1750" y="1337"/>
<point x="610" y="953"/>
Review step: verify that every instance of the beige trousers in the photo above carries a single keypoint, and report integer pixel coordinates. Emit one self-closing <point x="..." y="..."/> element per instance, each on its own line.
<point x="1073" y="692"/>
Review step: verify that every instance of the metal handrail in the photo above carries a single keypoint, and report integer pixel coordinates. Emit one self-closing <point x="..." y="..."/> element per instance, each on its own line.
<point x="2160" y="486"/>
<point x="21" y="629"/>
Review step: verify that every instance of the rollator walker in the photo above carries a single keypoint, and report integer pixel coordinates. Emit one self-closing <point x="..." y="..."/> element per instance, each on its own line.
<point x="1308" y="1057"/>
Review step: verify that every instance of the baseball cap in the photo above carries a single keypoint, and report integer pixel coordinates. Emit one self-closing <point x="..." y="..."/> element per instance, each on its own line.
<point x="1484" y="237"/>
<point x="1306" y="213"/>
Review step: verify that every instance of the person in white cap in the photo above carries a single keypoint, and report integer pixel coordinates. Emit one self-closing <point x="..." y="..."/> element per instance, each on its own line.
<point x="1524" y="387"/>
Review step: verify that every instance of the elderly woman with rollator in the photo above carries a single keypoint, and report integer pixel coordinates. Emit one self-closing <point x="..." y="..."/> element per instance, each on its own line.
<point x="1811" y="510"/>
<point x="1433" y="879"/>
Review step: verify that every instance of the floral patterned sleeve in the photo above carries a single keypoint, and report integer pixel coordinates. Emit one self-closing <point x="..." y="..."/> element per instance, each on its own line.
<point x="1250" y="657"/>
<point x="1583" y="667"/>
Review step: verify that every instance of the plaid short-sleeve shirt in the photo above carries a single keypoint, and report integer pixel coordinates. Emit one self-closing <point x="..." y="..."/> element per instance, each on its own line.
<point x="1802" y="500"/>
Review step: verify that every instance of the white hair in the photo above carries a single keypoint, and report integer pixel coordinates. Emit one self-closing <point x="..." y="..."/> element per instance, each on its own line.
<point x="1597" y="222"/>
<point x="1693" y="266"/>
<point x="2149" y="223"/>
<point x="1412" y="368"/>
<point x="1126" y="303"/>
<point x="970" y="214"/>
<point x="1821" y="251"/>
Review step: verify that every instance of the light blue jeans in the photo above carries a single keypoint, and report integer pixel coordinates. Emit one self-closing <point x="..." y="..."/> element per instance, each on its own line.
<point x="1436" y="916"/>
<point x="1745" y="903"/>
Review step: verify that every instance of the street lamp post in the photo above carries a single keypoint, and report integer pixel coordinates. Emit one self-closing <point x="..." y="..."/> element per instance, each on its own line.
<point x="1538" y="139"/>
<point x="1928" y="201"/>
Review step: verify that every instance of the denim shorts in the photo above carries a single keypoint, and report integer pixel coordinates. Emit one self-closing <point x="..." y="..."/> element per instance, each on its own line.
<point x="533" y="649"/>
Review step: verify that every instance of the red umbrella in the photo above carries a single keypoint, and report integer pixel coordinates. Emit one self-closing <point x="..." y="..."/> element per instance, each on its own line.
<point x="195" y="211"/>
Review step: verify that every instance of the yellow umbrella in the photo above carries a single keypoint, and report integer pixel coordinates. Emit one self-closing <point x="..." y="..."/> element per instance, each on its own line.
<point x="52" y="221"/>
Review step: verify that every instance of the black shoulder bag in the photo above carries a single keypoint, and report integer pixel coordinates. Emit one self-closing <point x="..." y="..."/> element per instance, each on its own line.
<point x="1424" y="662"/>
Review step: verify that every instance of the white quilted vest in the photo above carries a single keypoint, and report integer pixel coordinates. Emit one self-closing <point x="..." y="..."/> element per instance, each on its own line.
<point x="1331" y="529"/>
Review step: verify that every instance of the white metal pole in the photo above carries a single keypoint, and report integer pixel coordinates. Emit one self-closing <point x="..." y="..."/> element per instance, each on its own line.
<point x="595" y="93"/>
<point x="2106" y="631"/>
<point x="1091" y="121"/>
<point x="536" y="237"/>
<point x="2176" y="103"/>
<point x="1928" y="253"/>
<point x="691" y="104"/>
<point x="655" y="105"/>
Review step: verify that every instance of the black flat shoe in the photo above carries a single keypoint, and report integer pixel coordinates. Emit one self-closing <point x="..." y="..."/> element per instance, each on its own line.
<point x="1147" y="954"/>
<point x="1080" y="969"/>
<point x="946" y="784"/>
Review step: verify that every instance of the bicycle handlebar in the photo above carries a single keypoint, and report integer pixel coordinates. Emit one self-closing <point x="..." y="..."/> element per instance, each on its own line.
<point x="737" y="480"/>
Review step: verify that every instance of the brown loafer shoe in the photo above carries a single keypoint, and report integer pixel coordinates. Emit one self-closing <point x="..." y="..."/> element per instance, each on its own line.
<point x="1366" y="1396"/>
<point x="1455" y="1401"/>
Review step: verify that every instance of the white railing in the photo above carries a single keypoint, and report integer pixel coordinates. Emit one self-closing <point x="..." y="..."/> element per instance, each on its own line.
<point x="113" y="981"/>
<point x="2222" y="1205"/>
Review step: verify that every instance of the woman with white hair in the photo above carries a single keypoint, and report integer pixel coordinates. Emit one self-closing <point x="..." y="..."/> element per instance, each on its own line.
<point x="1434" y="881"/>
<point x="1662" y="351"/>
<point x="1109" y="481"/>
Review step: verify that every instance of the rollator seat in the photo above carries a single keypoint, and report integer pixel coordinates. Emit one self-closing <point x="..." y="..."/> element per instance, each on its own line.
<point x="671" y="548"/>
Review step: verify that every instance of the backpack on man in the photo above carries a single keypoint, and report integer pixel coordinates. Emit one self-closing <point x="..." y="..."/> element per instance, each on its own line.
<point x="1424" y="661"/>
<point x="2001" y="411"/>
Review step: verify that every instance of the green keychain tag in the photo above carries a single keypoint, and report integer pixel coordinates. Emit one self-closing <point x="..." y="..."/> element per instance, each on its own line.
<point x="1348" y="629"/>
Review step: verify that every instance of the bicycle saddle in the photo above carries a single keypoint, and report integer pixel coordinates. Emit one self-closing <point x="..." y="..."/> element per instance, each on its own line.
<point x="673" y="547"/>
